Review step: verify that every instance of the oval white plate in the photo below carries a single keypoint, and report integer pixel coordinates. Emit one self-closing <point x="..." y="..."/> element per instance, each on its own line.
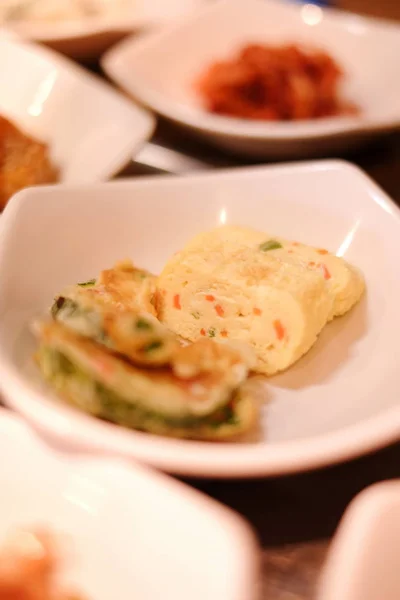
<point x="124" y="532"/>
<point x="90" y="37"/>
<point x="92" y="130"/>
<point x="164" y="81"/>
<point x="339" y="401"/>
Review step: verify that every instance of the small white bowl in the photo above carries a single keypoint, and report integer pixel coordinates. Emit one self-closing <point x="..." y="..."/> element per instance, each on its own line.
<point x="92" y="130"/>
<point x="88" y="38"/>
<point x="160" y="70"/>
<point x="339" y="401"/>
<point x="125" y="532"/>
<point x="363" y="561"/>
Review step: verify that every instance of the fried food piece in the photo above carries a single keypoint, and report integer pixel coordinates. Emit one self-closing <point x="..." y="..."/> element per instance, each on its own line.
<point x="117" y="311"/>
<point x="23" y="162"/>
<point x="120" y="289"/>
<point x="127" y="287"/>
<point x="209" y="356"/>
<point x="138" y="336"/>
<point x="208" y="406"/>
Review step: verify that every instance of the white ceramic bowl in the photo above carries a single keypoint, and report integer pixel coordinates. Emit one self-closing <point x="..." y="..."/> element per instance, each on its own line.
<point x="339" y="401"/>
<point x="160" y="71"/>
<point x="90" y="37"/>
<point x="92" y="130"/>
<point x="363" y="561"/>
<point x="124" y="532"/>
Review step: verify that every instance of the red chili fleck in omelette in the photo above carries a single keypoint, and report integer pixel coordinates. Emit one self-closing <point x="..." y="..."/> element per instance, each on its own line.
<point x="279" y="329"/>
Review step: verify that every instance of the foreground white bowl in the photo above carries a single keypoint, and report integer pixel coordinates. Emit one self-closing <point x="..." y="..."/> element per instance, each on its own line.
<point x="340" y="400"/>
<point x="363" y="561"/>
<point x="160" y="71"/>
<point x="126" y="532"/>
<point x="92" y="130"/>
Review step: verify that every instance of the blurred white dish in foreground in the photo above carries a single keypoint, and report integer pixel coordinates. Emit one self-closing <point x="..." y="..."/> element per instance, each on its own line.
<point x="127" y="532"/>
<point x="363" y="562"/>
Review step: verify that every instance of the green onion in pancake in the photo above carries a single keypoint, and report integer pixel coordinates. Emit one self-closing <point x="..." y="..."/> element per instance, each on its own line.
<point x="102" y="384"/>
<point x="116" y="310"/>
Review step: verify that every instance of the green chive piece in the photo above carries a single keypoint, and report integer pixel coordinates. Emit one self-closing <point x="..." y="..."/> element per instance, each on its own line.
<point x="212" y="332"/>
<point x="270" y="245"/>
<point x="196" y="315"/>
<point x="143" y="325"/>
<point x="87" y="283"/>
<point x="152" y="346"/>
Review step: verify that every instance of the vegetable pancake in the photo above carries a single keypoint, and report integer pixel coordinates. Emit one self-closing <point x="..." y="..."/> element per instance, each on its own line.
<point x="117" y="310"/>
<point x="208" y="406"/>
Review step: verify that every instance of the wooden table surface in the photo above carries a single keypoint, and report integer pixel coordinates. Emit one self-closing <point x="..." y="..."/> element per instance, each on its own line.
<point x="295" y="517"/>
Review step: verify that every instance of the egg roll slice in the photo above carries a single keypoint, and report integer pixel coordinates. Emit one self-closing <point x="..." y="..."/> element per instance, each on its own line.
<point x="345" y="283"/>
<point x="224" y="290"/>
<point x="209" y="406"/>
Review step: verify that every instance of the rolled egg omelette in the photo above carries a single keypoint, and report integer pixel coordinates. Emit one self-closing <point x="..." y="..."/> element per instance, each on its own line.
<point x="240" y="284"/>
